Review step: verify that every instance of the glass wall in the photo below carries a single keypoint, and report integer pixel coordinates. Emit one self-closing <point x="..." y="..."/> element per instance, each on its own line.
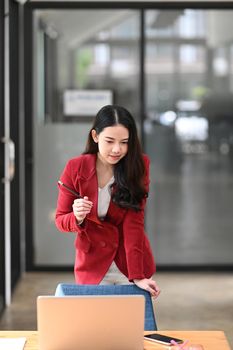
<point x="189" y="135"/>
<point x="83" y="60"/>
<point x="86" y="50"/>
<point x="188" y="128"/>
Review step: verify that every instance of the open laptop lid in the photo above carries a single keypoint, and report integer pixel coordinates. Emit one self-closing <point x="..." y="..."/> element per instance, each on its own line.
<point x="113" y="322"/>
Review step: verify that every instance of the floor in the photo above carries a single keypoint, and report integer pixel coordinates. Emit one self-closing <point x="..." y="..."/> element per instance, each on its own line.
<point x="201" y="301"/>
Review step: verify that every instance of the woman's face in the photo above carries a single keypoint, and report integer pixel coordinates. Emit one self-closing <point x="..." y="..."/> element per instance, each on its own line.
<point x="112" y="143"/>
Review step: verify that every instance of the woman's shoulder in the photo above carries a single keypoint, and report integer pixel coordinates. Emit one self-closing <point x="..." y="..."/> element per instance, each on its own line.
<point x="82" y="161"/>
<point x="81" y="158"/>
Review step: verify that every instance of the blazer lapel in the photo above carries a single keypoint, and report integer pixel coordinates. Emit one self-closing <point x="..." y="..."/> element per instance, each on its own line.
<point x="89" y="185"/>
<point x="115" y="214"/>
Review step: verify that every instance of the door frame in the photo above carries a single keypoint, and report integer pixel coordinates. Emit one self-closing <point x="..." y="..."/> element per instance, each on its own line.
<point x="2" y="162"/>
<point x="10" y="254"/>
<point x="15" y="244"/>
<point x="28" y="78"/>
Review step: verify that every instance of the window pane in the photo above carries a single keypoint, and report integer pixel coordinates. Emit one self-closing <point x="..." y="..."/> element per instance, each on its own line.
<point x="189" y="135"/>
<point x="77" y="53"/>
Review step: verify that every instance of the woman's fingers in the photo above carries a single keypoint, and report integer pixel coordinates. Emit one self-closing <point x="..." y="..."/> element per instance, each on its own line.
<point x="155" y="293"/>
<point x="83" y="204"/>
<point x="154" y="286"/>
<point x="149" y="285"/>
<point x="82" y="207"/>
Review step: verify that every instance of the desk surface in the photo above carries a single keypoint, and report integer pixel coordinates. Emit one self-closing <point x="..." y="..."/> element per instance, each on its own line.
<point x="211" y="340"/>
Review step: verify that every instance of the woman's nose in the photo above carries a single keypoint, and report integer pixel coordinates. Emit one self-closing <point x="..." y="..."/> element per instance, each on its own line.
<point x="116" y="148"/>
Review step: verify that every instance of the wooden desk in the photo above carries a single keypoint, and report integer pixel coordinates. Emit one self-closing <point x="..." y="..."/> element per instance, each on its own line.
<point x="211" y="340"/>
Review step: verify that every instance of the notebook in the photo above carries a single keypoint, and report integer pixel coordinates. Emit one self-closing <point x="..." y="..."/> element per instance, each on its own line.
<point x="103" y="322"/>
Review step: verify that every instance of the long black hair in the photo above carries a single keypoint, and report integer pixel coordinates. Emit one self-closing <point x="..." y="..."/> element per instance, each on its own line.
<point x="128" y="189"/>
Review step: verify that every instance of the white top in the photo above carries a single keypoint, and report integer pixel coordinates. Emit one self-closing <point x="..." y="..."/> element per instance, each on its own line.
<point x="113" y="275"/>
<point x="104" y="199"/>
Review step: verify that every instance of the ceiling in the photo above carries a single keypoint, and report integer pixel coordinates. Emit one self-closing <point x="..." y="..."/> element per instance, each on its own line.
<point x="77" y="26"/>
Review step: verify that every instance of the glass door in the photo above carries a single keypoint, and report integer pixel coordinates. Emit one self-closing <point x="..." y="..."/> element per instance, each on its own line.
<point x="189" y="135"/>
<point x="83" y="59"/>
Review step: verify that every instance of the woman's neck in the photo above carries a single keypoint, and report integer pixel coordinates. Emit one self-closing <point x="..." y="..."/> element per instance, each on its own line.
<point x="101" y="164"/>
<point x="104" y="172"/>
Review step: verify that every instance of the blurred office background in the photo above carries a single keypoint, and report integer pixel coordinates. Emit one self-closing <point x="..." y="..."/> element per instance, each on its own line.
<point x="171" y="65"/>
<point x="186" y="125"/>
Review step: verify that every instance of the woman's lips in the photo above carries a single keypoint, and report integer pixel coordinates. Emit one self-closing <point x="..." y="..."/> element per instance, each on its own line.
<point x="114" y="157"/>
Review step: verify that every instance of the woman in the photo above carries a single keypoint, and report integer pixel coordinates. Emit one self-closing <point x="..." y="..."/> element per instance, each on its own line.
<point x="112" y="178"/>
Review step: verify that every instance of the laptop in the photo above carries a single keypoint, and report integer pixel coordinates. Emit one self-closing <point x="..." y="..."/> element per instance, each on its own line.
<point x="103" y="322"/>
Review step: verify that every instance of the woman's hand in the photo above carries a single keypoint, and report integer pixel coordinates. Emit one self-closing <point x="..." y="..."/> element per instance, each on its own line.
<point x="81" y="207"/>
<point x="149" y="285"/>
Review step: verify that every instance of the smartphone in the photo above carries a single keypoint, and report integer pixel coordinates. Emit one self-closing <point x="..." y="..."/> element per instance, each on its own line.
<point x="163" y="339"/>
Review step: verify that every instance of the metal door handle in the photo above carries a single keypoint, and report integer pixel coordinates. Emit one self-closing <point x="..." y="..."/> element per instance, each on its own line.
<point x="9" y="159"/>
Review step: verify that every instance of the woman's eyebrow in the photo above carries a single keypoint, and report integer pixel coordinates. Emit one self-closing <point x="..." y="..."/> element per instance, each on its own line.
<point x="112" y="138"/>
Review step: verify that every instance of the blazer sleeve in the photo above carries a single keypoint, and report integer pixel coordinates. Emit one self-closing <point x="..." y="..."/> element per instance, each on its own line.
<point x="134" y="236"/>
<point x="65" y="219"/>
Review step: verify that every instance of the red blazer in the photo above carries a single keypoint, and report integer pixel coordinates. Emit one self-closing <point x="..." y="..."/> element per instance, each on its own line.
<point x="120" y="238"/>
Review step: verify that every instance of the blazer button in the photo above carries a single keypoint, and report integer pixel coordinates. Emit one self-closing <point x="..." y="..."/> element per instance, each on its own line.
<point x="103" y="244"/>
